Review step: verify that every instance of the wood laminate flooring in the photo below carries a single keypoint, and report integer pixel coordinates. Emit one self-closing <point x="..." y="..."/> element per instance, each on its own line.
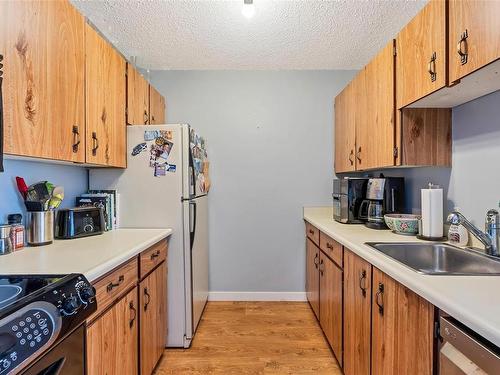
<point x="254" y="338"/>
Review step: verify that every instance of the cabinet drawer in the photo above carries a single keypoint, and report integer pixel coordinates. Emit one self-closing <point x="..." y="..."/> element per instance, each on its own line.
<point x="331" y="248"/>
<point x="114" y="285"/>
<point x="152" y="257"/>
<point x="312" y="233"/>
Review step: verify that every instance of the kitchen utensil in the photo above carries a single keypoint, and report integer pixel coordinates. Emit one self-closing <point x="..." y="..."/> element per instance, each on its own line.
<point x="40" y="227"/>
<point x="6" y="245"/>
<point x="57" y="197"/>
<point x="33" y="206"/>
<point x="21" y="186"/>
<point x="402" y="223"/>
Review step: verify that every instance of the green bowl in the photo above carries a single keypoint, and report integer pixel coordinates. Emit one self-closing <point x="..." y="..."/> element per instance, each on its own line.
<point x="402" y="223"/>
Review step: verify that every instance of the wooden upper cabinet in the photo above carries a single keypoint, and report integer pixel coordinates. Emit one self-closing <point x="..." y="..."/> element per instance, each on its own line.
<point x="312" y="275"/>
<point x="137" y="98"/>
<point x="156" y="107"/>
<point x="105" y="102"/>
<point x="112" y="340"/>
<point x="357" y="314"/>
<point x="421" y="54"/>
<point x="330" y="303"/>
<point x="474" y="35"/>
<point x="375" y="130"/>
<point x="345" y="131"/>
<point x="153" y="322"/>
<point x="402" y="329"/>
<point x="43" y="89"/>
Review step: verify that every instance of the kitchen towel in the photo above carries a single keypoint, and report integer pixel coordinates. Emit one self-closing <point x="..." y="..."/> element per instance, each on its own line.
<point x="432" y="212"/>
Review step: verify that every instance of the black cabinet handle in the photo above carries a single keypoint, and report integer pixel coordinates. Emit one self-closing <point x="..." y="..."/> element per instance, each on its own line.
<point x="95" y="143"/>
<point x="112" y="285"/>
<point x="463" y="48"/>
<point x="146" y="117"/>
<point x="134" y="311"/>
<point x="379" y="298"/>
<point x="321" y="267"/>
<point x="76" y="138"/>
<point x="431" y="67"/>
<point x="351" y="160"/>
<point x="155" y="255"/>
<point x="362" y="282"/>
<point x="316" y="260"/>
<point x="329" y="246"/>
<point x="146" y="294"/>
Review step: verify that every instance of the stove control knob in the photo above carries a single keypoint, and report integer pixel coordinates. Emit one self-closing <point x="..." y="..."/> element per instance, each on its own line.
<point x="87" y="294"/>
<point x="70" y="305"/>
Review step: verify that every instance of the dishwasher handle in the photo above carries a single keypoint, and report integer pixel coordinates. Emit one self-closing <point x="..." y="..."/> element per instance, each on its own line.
<point x="459" y="342"/>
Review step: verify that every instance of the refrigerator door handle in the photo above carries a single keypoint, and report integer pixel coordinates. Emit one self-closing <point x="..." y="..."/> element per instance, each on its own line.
<point x="192" y="219"/>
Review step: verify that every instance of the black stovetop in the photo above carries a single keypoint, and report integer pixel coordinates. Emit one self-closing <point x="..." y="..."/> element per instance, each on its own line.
<point x="14" y="288"/>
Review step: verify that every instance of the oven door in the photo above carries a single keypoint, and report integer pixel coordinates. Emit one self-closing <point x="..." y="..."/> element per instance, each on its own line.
<point x="66" y="358"/>
<point x="463" y="352"/>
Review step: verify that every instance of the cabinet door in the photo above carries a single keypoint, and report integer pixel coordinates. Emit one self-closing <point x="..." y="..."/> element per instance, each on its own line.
<point x="312" y="276"/>
<point x="375" y="128"/>
<point x="153" y="332"/>
<point x="105" y="102"/>
<point x="112" y="339"/>
<point x="156" y="106"/>
<point x="421" y="54"/>
<point x="137" y="97"/>
<point x="357" y="314"/>
<point x="474" y="35"/>
<point x="330" y="304"/>
<point x="43" y="88"/>
<point x="402" y="329"/>
<point x="345" y="131"/>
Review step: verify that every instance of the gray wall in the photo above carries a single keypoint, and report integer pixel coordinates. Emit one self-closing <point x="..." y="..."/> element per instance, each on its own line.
<point x="269" y="137"/>
<point x="73" y="178"/>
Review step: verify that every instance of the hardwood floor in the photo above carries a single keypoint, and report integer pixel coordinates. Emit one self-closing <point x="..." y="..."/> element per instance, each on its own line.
<point x="254" y="338"/>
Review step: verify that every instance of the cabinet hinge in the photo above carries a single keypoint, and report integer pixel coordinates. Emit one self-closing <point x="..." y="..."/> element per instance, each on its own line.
<point x="395" y="152"/>
<point x="437" y="334"/>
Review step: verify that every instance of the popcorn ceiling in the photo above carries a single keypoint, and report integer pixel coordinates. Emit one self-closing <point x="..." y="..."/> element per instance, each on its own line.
<point x="214" y="35"/>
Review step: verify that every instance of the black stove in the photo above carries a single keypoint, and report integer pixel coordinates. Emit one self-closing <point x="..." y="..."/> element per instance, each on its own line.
<point x="38" y="312"/>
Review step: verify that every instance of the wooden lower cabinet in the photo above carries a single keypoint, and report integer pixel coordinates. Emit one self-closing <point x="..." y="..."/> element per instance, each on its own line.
<point x="112" y="339"/>
<point x="357" y="314"/>
<point x="312" y="276"/>
<point x="330" y="303"/>
<point x="153" y="322"/>
<point x="402" y="329"/>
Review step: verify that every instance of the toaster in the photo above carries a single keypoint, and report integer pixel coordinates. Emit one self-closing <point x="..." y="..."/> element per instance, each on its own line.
<point x="79" y="222"/>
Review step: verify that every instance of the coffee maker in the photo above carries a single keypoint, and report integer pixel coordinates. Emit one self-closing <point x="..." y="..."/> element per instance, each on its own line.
<point x="384" y="195"/>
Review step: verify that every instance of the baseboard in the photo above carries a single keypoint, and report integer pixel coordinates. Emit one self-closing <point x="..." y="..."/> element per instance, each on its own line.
<point x="257" y="296"/>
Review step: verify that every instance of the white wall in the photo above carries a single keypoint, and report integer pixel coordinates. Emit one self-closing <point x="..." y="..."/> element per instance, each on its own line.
<point x="269" y="137"/>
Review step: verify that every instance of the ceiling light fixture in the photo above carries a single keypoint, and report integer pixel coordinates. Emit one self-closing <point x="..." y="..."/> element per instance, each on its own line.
<point x="248" y="9"/>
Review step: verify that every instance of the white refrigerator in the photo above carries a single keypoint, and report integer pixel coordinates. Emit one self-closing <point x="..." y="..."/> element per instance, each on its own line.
<point x="165" y="185"/>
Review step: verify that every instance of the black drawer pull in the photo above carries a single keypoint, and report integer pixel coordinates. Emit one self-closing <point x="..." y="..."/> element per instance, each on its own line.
<point x="112" y="285"/>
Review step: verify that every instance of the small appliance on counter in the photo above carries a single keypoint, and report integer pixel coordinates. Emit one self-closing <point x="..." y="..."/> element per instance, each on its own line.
<point x="348" y="193"/>
<point x="384" y="195"/>
<point x="79" y="222"/>
<point x="42" y="323"/>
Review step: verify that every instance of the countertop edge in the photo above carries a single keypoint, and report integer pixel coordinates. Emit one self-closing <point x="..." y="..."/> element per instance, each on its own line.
<point x="96" y="272"/>
<point x="409" y="278"/>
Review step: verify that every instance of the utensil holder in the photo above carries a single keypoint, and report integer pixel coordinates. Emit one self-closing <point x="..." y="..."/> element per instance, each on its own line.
<point x="40" y="228"/>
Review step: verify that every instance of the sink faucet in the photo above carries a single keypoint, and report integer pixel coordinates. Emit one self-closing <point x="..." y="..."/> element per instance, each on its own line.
<point x="490" y="238"/>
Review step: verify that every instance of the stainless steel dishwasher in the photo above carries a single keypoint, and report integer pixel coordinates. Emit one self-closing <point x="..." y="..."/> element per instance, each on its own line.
<point x="463" y="352"/>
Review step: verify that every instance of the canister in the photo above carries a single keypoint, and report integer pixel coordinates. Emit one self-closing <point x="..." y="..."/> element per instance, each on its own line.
<point x="40" y="227"/>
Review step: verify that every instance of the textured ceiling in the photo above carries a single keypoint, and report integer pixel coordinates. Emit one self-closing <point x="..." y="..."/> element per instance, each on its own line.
<point x="204" y="34"/>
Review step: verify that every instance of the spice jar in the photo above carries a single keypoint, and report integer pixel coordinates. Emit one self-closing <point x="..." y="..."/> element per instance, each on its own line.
<point x="17" y="230"/>
<point x="5" y="241"/>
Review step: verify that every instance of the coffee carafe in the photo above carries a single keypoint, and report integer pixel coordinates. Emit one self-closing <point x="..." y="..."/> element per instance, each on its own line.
<point x="383" y="196"/>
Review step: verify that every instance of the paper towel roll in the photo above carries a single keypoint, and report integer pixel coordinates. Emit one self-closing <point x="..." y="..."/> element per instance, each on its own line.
<point x="432" y="212"/>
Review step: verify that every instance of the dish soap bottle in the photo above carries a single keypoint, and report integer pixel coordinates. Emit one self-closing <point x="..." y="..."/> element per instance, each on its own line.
<point x="457" y="234"/>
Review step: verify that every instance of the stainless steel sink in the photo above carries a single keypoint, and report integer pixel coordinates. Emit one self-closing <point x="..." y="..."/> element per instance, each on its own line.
<point x="439" y="258"/>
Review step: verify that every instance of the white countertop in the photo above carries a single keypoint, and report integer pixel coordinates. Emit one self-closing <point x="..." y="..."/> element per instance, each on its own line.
<point x="473" y="300"/>
<point x="92" y="256"/>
